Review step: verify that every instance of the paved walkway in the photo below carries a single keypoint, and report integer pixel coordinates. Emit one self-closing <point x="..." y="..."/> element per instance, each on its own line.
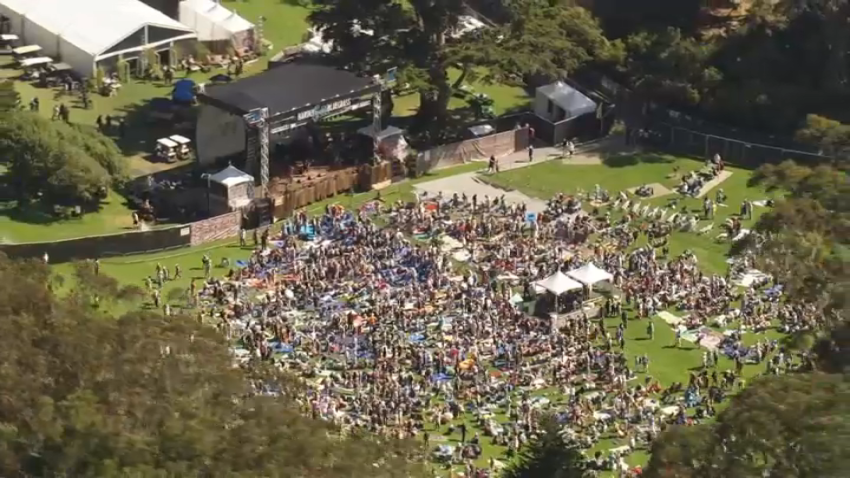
<point x="707" y="187"/>
<point x="470" y="183"/>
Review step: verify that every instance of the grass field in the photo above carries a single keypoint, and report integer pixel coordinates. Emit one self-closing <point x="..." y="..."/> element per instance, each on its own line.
<point x="549" y="178"/>
<point x="506" y="98"/>
<point x="285" y="20"/>
<point x="668" y="363"/>
<point x="35" y="225"/>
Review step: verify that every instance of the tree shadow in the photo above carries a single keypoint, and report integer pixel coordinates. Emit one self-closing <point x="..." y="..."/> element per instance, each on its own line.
<point x="39" y="213"/>
<point x="622" y="159"/>
<point x="149" y="120"/>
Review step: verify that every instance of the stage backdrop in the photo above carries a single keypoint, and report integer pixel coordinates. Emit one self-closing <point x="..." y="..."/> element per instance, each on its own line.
<point x="498" y="145"/>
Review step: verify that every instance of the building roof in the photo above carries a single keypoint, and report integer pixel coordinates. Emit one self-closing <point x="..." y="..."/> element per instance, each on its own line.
<point x="289" y="87"/>
<point x="212" y="21"/>
<point x="92" y="25"/>
<point x="568" y="98"/>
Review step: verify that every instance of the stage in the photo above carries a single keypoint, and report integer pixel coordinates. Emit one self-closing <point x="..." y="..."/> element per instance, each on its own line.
<point x="274" y="107"/>
<point x="288" y="194"/>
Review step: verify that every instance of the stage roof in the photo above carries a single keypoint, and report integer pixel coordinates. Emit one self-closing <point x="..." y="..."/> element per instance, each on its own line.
<point x="289" y="88"/>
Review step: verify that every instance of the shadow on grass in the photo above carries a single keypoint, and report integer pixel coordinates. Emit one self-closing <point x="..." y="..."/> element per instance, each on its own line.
<point x="621" y="160"/>
<point x="41" y="214"/>
<point x="149" y="120"/>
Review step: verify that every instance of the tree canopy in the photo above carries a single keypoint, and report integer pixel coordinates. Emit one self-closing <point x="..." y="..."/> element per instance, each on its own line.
<point x="150" y="396"/>
<point x="424" y="40"/>
<point x="548" y="455"/>
<point x="61" y="163"/>
<point x="790" y="425"/>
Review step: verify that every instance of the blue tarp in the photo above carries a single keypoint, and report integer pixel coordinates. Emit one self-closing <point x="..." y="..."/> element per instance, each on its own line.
<point x="184" y="91"/>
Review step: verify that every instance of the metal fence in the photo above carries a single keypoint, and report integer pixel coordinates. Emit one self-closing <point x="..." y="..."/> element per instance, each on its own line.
<point x="695" y="143"/>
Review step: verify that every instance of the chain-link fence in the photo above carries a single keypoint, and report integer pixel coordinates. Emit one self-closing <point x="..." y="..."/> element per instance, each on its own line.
<point x="687" y="141"/>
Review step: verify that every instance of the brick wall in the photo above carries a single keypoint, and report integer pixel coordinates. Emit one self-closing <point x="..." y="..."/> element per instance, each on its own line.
<point x="215" y="228"/>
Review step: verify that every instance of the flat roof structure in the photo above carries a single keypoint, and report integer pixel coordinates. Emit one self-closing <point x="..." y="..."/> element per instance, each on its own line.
<point x="290" y="88"/>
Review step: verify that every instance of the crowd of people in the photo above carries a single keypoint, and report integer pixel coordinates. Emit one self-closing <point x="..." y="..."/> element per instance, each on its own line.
<point x="416" y="320"/>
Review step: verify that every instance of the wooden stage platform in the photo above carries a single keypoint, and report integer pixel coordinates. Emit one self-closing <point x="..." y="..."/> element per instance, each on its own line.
<point x="288" y="194"/>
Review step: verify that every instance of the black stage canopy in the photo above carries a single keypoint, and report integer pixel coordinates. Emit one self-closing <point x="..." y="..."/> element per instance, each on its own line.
<point x="289" y="89"/>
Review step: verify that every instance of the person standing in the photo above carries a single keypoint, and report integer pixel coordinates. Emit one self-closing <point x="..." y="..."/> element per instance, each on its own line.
<point x="530" y="153"/>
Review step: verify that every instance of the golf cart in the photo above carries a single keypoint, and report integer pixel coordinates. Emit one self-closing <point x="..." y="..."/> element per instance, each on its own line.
<point x="166" y="150"/>
<point x="56" y="74"/>
<point x="35" y="68"/>
<point x="183" y="143"/>
<point x="7" y="43"/>
<point x="27" y="51"/>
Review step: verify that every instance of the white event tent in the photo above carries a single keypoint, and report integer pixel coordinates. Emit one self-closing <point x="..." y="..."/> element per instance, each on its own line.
<point x="85" y="33"/>
<point x="230" y="176"/>
<point x="558" y="283"/>
<point x="589" y="274"/>
<point x="214" y="22"/>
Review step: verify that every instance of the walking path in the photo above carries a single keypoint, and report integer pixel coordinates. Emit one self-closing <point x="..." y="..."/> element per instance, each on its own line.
<point x="470" y="183"/>
<point x="707" y="187"/>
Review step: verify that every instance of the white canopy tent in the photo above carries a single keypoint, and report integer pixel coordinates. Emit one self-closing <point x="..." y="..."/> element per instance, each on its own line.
<point x="558" y="283"/>
<point x="589" y="274"/>
<point x="212" y="21"/>
<point x="83" y="33"/>
<point x="230" y="176"/>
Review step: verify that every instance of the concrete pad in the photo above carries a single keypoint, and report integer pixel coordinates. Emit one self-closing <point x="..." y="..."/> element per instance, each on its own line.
<point x="469" y="184"/>
<point x="707" y="187"/>
<point x="582" y="160"/>
<point x="658" y="190"/>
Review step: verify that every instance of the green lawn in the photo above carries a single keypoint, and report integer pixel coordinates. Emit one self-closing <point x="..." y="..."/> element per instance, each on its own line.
<point x="130" y="103"/>
<point x="35" y="225"/>
<point x="505" y="98"/>
<point x="285" y="20"/>
<point x="134" y="269"/>
<point x="549" y="178"/>
<point x="668" y="364"/>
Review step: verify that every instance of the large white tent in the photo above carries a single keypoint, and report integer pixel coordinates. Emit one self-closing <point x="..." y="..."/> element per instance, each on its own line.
<point x="558" y="283"/>
<point x="589" y="274"/>
<point x="212" y="21"/>
<point x="83" y="33"/>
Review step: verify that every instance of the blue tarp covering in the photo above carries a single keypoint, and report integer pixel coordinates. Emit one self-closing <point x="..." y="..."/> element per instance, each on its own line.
<point x="184" y="91"/>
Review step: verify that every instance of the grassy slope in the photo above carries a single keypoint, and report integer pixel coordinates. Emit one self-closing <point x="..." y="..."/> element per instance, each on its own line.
<point x="547" y="179"/>
<point x="668" y="364"/>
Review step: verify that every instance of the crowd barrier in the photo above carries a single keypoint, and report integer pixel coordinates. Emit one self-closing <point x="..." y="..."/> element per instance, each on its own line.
<point x="462" y="152"/>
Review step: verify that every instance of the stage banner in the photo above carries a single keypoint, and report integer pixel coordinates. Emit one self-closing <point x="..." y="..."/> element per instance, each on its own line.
<point x="498" y="145"/>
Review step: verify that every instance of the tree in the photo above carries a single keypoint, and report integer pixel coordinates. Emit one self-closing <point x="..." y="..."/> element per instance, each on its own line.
<point x="831" y="136"/>
<point x="548" y="38"/>
<point x="548" y="455"/>
<point x="790" y="426"/>
<point x="145" y="395"/>
<point x="64" y="164"/>
<point x="670" y="68"/>
<point x="423" y="39"/>
<point x="806" y="247"/>
<point x="622" y="18"/>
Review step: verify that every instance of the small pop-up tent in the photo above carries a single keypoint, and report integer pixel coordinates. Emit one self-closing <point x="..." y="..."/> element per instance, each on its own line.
<point x="216" y="24"/>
